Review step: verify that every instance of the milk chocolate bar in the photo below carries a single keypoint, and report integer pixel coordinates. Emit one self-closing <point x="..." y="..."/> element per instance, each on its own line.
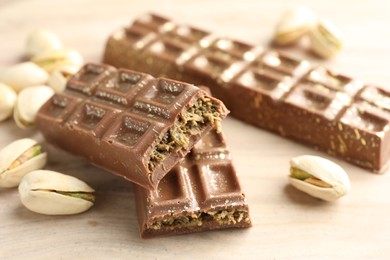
<point x="312" y="105"/>
<point x="129" y="123"/>
<point x="201" y="193"/>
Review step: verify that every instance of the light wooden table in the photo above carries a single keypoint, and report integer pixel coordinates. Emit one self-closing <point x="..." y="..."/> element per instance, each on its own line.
<point x="287" y="223"/>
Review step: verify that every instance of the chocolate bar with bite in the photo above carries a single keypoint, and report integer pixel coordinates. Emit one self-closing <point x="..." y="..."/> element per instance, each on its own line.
<point x="129" y="123"/>
<point x="312" y="105"/>
<point x="201" y="193"/>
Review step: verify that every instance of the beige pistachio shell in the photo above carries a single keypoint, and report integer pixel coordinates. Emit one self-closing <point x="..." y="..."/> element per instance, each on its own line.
<point x="51" y="60"/>
<point x="23" y="75"/>
<point x="7" y="101"/>
<point x="326" y="39"/>
<point x="11" y="178"/>
<point x="294" y="24"/>
<point x="324" y="170"/>
<point x="28" y="103"/>
<point x="59" y="77"/>
<point x="39" y="193"/>
<point x="13" y="151"/>
<point x="40" y="41"/>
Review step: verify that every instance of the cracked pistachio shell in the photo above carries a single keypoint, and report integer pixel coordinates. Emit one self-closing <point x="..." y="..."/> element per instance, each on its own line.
<point x="51" y="60"/>
<point x="28" y="103"/>
<point x="41" y="40"/>
<point x="7" y="101"/>
<point x="43" y="192"/>
<point x="8" y="155"/>
<point x="326" y="40"/>
<point x="294" y="23"/>
<point x="23" y="75"/>
<point x="323" y="170"/>
<point x="59" y="77"/>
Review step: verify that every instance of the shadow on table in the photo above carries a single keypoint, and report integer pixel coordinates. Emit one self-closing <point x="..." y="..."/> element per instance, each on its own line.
<point x="299" y="197"/>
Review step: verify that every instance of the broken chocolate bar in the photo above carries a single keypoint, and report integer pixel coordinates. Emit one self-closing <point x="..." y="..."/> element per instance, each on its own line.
<point x="314" y="106"/>
<point x="129" y="123"/>
<point x="201" y="193"/>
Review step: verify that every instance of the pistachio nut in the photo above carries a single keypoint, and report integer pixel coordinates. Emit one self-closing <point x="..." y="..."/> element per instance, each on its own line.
<point x="54" y="193"/>
<point x="19" y="158"/>
<point x="41" y="40"/>
<point x="23" y="75"/>
<point x="28" y="103"/>
<point x="58" y="58"/>
<point x="319" y="177"/>
<point x="294" y="23"/>
<point x="325" y="39"/>
<point x="7" y="101"/>
<point x="59" y="77"/>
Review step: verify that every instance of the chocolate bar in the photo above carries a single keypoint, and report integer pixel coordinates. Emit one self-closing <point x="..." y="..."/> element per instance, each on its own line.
<point x="129" y="123"/>
<point x="201" y="193"/>
<point x="312" y="105"/>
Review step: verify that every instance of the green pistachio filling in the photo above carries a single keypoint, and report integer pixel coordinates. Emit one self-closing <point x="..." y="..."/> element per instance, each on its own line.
<point x="299" y="174"/>
<point x="307" y="177"/>
<point x="79" y="195"/>
<point x="221" y="217"/>
<point x="189" y="123"/>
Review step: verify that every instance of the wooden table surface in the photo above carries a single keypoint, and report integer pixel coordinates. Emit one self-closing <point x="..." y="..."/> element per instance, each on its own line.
<point x="287" y="224"/>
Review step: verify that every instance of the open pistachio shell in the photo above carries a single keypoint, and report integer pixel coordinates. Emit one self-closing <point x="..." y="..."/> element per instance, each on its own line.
<point x="326" y="39"/>
<point x="54" y="59"/>
<point x="294" y="23"/>
<point x="325" y="179"/>
<point x="7" y="101"/>
<point x="41" y="40"/>
<point x="28" y="103"/>
<point x="59" y="77"/>
<point x="11" y="173"/>
<point x="53" y="193"/>
<point x="23" y="75"/>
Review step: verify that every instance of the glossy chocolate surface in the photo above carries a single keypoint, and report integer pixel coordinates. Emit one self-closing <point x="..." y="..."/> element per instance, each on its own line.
<point x="201" y="193"/>
<point x="116" y="119"/>
<point x="311" y="105"/>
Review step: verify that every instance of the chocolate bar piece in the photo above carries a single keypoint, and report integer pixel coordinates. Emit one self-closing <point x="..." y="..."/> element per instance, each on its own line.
<point x="314" y="106"/>
<point x="201" y="193"/>
<point x="129" y="123"/>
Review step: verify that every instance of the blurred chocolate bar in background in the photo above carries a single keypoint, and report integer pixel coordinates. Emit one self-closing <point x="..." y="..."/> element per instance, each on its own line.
<point x="315" y="106"/>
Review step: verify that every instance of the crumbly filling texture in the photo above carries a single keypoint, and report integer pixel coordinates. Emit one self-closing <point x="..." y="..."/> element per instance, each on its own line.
<point x="221" y="217"/>
<point x="189" y="123"/>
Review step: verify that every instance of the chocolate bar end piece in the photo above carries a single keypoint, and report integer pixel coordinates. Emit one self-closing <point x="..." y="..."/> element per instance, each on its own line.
<point x="201" y="193"/>
<point x="129" y="123"/>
